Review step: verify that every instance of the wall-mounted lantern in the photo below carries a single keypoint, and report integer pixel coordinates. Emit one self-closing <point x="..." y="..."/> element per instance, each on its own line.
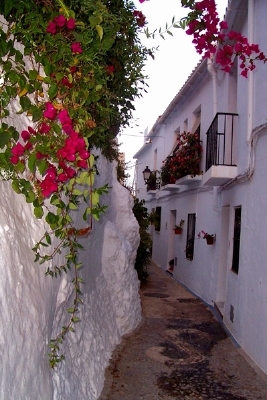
<point x="146" y="174"/>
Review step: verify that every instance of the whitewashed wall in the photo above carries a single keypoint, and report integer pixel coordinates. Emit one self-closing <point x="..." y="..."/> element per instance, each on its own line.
<point x="33" y="306"/>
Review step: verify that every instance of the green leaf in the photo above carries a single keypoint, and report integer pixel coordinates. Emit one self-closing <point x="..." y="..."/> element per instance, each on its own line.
<point x="99" y="30"/>
<point x="38" y="212"/>
<point x="77" y="192"/>
<point x="33" y="74"/>
<point x="36" y="113"/>
<point x="72" y="206"/>
<point x="48" y="238"/>
<point x="30" y="197"/>
<point x="95" y="198"/>
<point x="94" y="21"/>
<point x="31" y="162"/>
<point x="16" y="187"/>
<point x="25" y="103"/>
<point x="52" y="91"/>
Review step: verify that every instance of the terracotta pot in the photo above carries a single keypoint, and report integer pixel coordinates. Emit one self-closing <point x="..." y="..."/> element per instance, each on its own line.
<point x="177" y="231"/>
<point x="210" y="239"/>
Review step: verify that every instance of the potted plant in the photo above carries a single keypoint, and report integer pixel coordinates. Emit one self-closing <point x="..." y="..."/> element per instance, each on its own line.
<point x="210" y="238"/>
<point x="178" y="228"/>
<point x="185" y="159"/>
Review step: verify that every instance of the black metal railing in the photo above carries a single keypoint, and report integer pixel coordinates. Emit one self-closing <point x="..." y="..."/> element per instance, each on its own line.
<point x="220" y="149"/>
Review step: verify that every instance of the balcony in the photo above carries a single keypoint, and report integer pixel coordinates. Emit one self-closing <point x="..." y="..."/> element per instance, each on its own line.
<point x="220" y="155"/>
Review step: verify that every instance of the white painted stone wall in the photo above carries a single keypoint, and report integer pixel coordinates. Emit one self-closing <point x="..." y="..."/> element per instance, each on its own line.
<point x="33" y="306"/>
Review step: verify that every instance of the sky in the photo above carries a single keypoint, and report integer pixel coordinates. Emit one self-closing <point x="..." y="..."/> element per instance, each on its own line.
<point x="174" y="62"/>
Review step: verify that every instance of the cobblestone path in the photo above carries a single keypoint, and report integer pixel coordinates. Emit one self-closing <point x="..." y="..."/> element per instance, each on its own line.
<point x="179" y="351"/>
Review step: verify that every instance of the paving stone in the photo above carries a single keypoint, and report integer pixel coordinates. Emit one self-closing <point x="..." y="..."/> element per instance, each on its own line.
<point x="179" y="351"/>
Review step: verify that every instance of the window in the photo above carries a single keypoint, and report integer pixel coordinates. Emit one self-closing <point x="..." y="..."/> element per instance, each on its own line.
<point x="158" y="219"/>
<point x="190" y="239"/>
<point x="236" y="240"/>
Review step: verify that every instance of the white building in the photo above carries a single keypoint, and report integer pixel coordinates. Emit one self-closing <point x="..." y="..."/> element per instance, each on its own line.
<point x="231" y="114"/>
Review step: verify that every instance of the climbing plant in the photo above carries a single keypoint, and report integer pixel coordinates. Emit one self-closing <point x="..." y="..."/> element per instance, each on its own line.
<point x="69" y="73"/>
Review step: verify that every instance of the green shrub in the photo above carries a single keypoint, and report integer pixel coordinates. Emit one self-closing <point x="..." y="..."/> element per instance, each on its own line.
<point x="143" y="252"/>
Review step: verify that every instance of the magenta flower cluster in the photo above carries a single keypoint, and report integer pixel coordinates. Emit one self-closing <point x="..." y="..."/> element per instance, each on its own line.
<point x="59" y="23"/>
<point x="72" y="156"/>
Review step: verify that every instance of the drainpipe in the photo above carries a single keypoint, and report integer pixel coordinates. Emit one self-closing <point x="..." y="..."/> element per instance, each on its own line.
<point x="213" y="73"/>
<point x="251" y="17"/>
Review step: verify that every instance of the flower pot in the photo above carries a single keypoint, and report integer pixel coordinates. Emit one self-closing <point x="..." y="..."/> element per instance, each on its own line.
<point x="177" y="231"/>
<point x="210" y="239"/>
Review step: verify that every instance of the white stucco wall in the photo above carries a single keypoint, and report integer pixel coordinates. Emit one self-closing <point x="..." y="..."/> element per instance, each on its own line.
<point x="33" y="306"/>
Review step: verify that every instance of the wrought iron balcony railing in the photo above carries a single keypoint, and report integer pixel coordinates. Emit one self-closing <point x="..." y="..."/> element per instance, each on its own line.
<point x="221" y="138"/>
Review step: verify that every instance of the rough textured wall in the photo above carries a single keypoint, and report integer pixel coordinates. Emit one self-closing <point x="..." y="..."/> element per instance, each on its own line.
<point x="33" y="306"/>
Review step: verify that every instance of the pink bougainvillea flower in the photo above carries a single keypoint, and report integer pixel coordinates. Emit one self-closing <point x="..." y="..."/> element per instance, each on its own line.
<point x="62" y="177"/>
<point x="51" y="171"/>
<point x="82" y="164"/>
<point x="67" y="128"/>
<point x="64" y="117"/>
<point x="76" y="48"/>
<point x="140" y="18"/>
<point x="14" y="159"/>
<point x="110" y="69"/>
<point x="39" y="155"/>
<point x="50" y="111"/>
<point x="44" y="127"/>
<point x="48" y="186"/>
<point x="28" y="146"/>
<point x="31" y="130"/>
<point x="84" y="154"/>
<point x="60" y="20"/>
<point x="70" y="172"/>
<point x="25" y="135"/>
<point x="18" y="150"/>
<point x="66" y="82"/>
<point x="52" y="28"/>
<point x="73" y="69"/>
<point x="71" y="23"/>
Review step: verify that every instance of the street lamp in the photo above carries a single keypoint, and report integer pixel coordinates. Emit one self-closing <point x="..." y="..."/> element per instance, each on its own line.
<point x="146" y="174"/>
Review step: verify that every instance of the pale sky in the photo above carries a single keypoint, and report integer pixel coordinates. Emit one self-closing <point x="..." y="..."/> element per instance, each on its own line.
<point x="174" y="62"/>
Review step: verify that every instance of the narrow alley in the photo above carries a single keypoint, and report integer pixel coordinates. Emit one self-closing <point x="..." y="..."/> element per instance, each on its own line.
<point x="179" y="351"/>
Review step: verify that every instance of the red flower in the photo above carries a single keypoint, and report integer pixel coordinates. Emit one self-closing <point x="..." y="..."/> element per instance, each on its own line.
<point x="60" y="20"/>
<point x="52" y="28"/>
<point x="50" y="111"/>
<point x="71" y="23"/>
<point x="48" y="186"/>
<point x="82" y="164"/>
<point x="140" y="18"/>
<point x="18" y="150"/>
<point x="44" y="127"/>
<point x="66" y="82"/>
<point x="14" y="159"/>
<point x="76" y="48"/>
<point x="25" y="135"/>
<point x="110" y="69"/>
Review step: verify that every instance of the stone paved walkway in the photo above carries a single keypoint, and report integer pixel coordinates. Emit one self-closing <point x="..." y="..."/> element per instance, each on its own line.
<point x="179" y="351"/>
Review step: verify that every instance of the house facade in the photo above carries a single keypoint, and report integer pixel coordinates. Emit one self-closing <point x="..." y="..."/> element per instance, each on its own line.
<point x="225" y="200"/>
